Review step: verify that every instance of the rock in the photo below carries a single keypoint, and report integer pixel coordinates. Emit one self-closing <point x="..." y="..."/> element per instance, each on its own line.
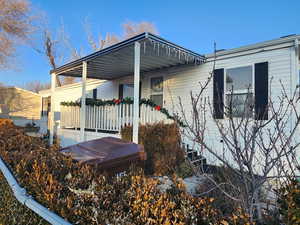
<point x="166" y="183"/>
<point x="192" y="183"/>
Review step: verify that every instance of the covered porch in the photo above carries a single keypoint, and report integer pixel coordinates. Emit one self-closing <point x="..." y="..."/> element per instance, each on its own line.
<point x="140" y="55"/>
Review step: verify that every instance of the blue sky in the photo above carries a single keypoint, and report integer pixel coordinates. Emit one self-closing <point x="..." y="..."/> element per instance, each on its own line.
<point x="192" y="24"/>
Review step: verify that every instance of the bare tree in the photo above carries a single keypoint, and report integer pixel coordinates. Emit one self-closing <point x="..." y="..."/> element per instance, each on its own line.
<point x="15" y="27"/>
<point x="256" y="151"/>
<point x="97" y="43"/>
<point x="50" y="48"/>
<point x="54" y="49"/>
<point x="131" y="29"/>
<point x="60" y="48"/>
<point x="73" y="52"/>
<point x="36" y="86"/>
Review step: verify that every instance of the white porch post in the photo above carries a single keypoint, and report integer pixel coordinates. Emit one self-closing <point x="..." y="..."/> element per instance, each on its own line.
<point x="83" y="98"/>
<point x="136" y="107"/>
<point x="52" y="119"/>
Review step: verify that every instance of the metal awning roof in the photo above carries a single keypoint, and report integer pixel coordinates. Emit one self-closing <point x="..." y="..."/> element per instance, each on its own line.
<point x="118" y="60"/>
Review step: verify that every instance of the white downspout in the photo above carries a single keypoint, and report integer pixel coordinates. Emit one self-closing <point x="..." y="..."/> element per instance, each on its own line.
<point x="24" y="199"/>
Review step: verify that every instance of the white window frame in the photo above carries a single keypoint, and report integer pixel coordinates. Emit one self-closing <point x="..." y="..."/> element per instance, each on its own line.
<point x="157" y="93"/>
<point x="244" y="91"/>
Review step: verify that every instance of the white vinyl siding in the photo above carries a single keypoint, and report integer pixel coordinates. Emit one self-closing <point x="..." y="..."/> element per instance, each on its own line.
<point x="180" y="81"/>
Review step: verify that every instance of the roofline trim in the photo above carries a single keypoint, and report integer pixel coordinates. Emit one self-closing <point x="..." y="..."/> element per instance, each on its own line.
<point x="255" y="46"/>
<point x="120" y="45"/>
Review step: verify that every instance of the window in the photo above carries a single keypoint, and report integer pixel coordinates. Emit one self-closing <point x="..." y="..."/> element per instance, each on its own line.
<point x="46" y="105"/>
<point x="156" y="88"/>
<point x="239" y="91"/>
<point x="95" y="93"/>
<point x="128" y="91"/>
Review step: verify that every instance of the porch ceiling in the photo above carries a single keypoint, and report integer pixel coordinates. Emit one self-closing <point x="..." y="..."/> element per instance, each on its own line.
<point x="118" y="60"/>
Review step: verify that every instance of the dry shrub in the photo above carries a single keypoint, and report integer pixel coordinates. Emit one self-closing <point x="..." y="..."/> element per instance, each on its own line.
<point x="162" y="143"/>
<point x="150" y="206"/>
<point x="289" y="203"/>
<point x="6" y="122"/>
<point x="82" y="195"/>
<point x="42" y="171"/>
<point x="225" y="176"/>
<point x="11" y="211"/>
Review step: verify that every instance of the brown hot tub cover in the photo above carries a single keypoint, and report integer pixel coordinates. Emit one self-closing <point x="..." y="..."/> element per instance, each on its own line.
<point x="108" y="153"/>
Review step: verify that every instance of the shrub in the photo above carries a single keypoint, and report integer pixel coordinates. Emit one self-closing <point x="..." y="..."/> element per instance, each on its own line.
<point x="80" y="194"/>
<point x="6" y="122"/>
<point x="11" y="211"/>
<point x="162" y="143"/>
<point x="150" y="206"/>
<point x="184" y="170"/>
<point x="289" y="203"/>
<point x="225" y="176"/>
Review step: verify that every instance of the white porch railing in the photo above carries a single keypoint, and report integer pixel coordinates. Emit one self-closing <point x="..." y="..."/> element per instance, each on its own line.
<point x="108" y="117"/>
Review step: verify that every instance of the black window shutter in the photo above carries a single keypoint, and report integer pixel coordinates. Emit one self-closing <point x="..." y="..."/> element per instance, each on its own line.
<point x="218" y="93"/>
<point x="95" y="93"/>
<point x="261" y="91"/>
<point x="140" y="91"/>
<point x="121" y="88"/>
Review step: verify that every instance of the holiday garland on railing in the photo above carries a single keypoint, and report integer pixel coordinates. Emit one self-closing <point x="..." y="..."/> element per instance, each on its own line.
<point x="143" y="101"/>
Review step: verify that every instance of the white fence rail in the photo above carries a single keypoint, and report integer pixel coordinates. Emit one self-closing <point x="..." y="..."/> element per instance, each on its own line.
<point x="108" y="117"/>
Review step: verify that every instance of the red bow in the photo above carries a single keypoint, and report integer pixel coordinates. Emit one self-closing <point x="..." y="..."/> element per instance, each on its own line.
<point x="117" y="101"/>
<point x="158" y="108"/>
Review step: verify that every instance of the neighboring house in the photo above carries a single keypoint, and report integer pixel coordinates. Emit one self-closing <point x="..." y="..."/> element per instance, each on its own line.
<point x="147" y="66"/>
<point x="20" y="105"/>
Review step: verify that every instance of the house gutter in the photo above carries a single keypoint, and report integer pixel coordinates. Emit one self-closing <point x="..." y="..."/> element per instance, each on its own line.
<point x="27" y="200"/>
<point x="258" y="46"/>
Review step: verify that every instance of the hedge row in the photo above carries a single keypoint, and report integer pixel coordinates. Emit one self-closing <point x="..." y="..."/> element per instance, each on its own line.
<point x="81" y="195"/>
<point x="289" y="202"/>
<point x="11" y="211"/>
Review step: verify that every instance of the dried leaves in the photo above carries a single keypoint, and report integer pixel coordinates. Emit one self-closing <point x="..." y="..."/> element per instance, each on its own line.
<point x="82" y="195"/>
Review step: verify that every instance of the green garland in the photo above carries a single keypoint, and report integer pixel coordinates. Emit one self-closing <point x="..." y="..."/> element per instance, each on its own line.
<point x="143" y="101"/>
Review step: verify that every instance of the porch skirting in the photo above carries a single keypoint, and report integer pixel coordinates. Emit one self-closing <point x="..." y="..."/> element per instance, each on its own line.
<point x="69" y="137"/>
